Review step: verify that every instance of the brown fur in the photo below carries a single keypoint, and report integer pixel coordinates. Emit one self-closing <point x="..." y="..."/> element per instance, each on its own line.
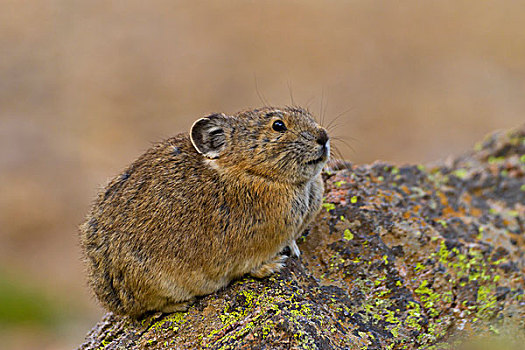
<point x="193" y="213"/>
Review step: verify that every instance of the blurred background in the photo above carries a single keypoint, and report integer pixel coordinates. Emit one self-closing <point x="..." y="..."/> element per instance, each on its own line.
<point x="87" y="85"/>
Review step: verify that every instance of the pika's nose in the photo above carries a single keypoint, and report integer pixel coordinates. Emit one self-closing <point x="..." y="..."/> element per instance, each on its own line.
<point x="322" y="138"/>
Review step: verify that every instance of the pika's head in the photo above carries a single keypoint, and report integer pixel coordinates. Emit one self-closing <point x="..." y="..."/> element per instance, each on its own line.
<point x="278" y="144"/>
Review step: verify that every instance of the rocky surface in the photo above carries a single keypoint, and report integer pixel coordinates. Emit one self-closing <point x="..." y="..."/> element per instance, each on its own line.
<point x="405" y="257"/>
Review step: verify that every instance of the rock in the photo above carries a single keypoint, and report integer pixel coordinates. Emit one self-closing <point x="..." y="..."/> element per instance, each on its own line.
<point x="399" y="258"/>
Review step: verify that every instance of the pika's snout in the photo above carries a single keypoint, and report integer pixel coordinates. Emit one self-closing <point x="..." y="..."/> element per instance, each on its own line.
<point x="322" y="138"/>
<point x="324" y="141"/>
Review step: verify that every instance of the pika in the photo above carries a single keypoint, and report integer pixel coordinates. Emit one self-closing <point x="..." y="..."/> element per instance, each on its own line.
<point x="197" y="211"/>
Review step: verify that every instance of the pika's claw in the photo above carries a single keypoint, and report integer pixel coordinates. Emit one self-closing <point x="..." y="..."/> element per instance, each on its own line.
<point x="269" y="267"/>
<point x="294" y="249"/>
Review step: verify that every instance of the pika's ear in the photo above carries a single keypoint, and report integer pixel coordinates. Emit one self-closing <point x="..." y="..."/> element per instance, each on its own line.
<point x="208" y="135"/>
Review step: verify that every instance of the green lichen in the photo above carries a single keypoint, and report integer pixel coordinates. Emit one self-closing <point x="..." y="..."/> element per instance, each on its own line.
<point x="385" y="259"/>
<point x="348" y="235"/>
<point x="413" y="316"/>
<point x="478" y="146"/>
<point x="496" y="160"/>
<point x="430" y="298"/>
<point x="462" y="268"/>
<point x="460" y="173"/>
<point x="104" y="344"/>
<point x="480" y="233"/>
<point x="107" y="340"/>
<point x="239" y="322"/>
<point x="328" y="206"/>
<point x="442" y="223"/>
<point x="172" y="321"/>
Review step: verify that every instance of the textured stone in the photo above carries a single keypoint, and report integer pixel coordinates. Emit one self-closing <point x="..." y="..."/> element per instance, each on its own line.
<point x="405" y="257"/>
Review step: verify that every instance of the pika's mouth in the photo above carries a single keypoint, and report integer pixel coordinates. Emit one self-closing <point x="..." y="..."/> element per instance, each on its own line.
<point x="317" y="161"/>
<point x="322" y="158"/>
<point x="325" y="151"/>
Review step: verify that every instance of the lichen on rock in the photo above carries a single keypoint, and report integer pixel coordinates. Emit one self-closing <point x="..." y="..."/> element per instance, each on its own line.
<point x="405" y="257"/>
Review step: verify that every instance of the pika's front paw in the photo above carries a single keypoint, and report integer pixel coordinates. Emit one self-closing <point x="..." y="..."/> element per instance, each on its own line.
<point x="294" y="249"/>
<point x="269" y="267"/>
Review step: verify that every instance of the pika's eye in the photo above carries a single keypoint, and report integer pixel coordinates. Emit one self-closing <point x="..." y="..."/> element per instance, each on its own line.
<point x="279" y="126"/>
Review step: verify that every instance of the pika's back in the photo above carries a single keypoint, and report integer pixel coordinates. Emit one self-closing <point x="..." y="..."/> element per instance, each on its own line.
<point x="197" y="210"/>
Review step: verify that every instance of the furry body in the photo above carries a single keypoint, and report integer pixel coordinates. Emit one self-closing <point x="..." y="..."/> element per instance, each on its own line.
<point x="193" y="213"/>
